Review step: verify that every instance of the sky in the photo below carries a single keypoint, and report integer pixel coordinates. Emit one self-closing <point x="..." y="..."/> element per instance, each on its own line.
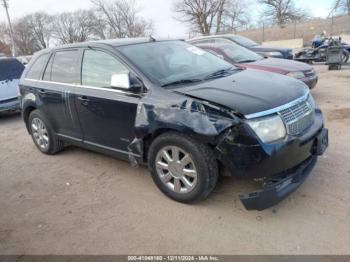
<point x="160" y="11"/>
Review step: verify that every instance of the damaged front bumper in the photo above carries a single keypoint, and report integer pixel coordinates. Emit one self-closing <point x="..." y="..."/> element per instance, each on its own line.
<point x="277" y="188"/>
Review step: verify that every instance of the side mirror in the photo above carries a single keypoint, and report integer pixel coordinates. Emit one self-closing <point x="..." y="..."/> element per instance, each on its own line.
<point x="121" y="81"/>
<point x="126" y="82"/>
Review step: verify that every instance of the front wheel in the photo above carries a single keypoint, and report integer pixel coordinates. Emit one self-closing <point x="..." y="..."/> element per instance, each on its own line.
<point x="183" y="169"/>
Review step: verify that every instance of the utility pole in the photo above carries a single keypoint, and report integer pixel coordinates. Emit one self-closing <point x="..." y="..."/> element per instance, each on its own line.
<point x="13" y="50"/>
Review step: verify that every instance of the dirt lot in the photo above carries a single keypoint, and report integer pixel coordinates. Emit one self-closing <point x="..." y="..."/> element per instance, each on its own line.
<point x="80" y="202"/>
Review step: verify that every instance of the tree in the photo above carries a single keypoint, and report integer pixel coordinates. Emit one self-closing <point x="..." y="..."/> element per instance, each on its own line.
<point x="342" y="6"/>
<point x="73" y="27"/>
<point x="208" y="16"/>
<point x="236" y="15"/>
<point x="31" y="33"/>
<point x="41" y="26"/>
<point x="201" y="14"/>
<point x="119" y="19"/>
<point x="282" y="12"/>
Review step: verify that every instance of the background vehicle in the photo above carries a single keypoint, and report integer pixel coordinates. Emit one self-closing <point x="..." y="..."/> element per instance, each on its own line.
<point x="265" y="51"/>
<point x="24" y="59"/>
<point x="319" y="53"/>
<point x="10" y="73"/>
<point x="180" y="110"/>
<point x="245" y="58"/>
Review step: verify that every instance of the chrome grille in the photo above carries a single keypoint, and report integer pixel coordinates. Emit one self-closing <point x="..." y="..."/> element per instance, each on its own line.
<point x="299" y="117"/>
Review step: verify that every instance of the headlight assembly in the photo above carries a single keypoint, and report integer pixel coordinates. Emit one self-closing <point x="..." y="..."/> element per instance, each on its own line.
<point x="268" y="129"/>
<point x="297" y="75"/>
<point x="273" y="53"/>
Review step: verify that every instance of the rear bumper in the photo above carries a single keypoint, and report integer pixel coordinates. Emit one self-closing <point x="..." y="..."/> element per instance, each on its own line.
<point x="10" y="104"/>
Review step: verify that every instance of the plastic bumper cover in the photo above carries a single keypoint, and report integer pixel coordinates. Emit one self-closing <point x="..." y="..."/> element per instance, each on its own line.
<point x="277" y="188"/>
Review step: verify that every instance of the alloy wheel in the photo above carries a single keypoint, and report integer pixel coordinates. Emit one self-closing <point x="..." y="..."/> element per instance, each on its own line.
<point x="40" y="133"/>
<point x="176" y="169"/>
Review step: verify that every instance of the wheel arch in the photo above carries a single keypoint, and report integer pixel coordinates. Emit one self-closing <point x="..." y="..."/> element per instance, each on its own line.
<point x="26" y="113"/>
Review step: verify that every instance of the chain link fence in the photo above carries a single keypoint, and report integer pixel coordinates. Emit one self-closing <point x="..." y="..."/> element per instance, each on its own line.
<point x="307" y="30"/>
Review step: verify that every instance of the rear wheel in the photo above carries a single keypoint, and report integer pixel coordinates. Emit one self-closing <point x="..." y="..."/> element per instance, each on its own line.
<point x="43" y="135"/>
<point x="182" y="168"/>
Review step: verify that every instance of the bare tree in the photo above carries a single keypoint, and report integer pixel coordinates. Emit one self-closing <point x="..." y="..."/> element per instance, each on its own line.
<point x="282" y="12"/>
<point x="31" y="33"/>
<point x="24" y="39"/>
<point x="41" y="26"/>
<point x="72" y="27"/>
<point x="201" y="14"/>
<point x="236" y="15"/>
<point x="342" y="6"/>
<point x="119" y="18"/>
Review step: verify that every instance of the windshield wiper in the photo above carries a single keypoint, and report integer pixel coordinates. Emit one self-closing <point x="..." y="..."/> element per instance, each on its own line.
<point x="221" y="73"/>
<point x="182" y="81"/>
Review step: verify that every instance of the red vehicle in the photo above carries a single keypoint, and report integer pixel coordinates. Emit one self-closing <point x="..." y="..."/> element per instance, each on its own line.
<point x="243" y="57"/>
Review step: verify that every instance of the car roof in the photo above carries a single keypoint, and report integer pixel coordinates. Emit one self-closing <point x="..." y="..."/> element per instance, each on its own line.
<point x="211" y="36"/>
<point x="111" y="42"/>
<point x="8" y="59"/>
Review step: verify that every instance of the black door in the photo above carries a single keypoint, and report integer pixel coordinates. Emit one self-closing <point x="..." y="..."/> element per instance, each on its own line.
<point x="106" y="115"/>
<point x="56" y="91"/>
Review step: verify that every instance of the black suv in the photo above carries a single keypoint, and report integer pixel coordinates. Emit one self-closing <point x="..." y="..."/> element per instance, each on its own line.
<point x="184" y="112"/>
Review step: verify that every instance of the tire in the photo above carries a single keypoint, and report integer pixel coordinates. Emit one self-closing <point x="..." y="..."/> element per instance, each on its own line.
<point x="37" y="121"/>
<point x="201" y="161"/>
<point x="345" y="57"/>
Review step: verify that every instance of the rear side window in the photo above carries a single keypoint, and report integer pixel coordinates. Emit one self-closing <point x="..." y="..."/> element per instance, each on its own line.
<point x="36" y="70"/>
<point x="64" y="67"/>
<point x="98" y="68"/>
<point x="10" y="69"/>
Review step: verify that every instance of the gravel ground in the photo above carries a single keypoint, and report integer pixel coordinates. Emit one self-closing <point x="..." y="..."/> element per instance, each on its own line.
<point x="80" y="202"/>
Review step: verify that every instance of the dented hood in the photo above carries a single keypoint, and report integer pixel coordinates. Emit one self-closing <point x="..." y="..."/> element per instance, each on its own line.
<point x="248" y="91"/>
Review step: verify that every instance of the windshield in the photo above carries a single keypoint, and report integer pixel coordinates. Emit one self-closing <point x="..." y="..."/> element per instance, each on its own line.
<point x="244" y="41"/>
<point x="173" y="61"/>
<point x="239" y="54"/>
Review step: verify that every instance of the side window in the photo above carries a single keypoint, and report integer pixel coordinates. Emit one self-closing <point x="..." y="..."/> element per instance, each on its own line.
<point x="98" y="68"/>
<point x="203" y="41"/>
<point x="221" y="41"/>
<point x="36" y="70"/>
<point x="47" y="73"/>
<point x="65" y="67"/>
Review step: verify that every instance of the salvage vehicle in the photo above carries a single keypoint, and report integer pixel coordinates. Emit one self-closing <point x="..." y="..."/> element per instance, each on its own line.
<point x="10" y="73"/>
<point x="245" y="58"/>
<point x="182" y="111"/>
<point x="265" y="51"/>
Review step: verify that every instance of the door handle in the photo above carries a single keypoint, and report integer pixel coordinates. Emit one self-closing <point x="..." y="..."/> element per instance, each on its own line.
<point x="42" y="91"/>
<point x="84" y="100"/>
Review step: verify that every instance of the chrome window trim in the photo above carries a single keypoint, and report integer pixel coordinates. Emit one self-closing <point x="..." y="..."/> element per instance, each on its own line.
<point x="77" y="85"/>
<point x="277" y="109"/>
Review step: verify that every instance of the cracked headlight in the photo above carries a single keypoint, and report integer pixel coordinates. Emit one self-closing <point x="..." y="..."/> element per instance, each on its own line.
<point x="268" y="129"/>
<point x="297" y="75"/>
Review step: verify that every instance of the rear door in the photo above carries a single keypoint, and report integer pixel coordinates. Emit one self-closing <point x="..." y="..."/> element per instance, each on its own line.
<point x="59" y="81"/>
<point x="106" y="115"/>
<point x="51" y="78"/>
